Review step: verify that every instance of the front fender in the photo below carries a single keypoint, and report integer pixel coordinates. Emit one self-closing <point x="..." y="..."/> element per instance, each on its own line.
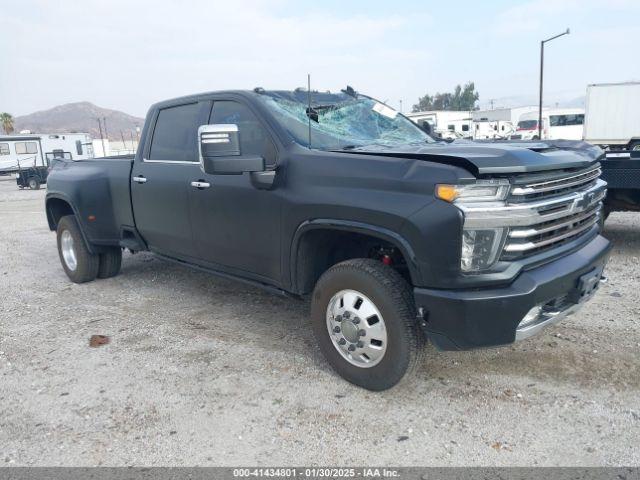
<point x="357" y="227"/>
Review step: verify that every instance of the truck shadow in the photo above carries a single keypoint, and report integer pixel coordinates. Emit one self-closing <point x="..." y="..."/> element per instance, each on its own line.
<point x="228" y="311"/>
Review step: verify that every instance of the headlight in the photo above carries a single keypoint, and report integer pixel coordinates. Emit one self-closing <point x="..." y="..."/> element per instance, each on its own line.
<point x="481" y="191"/>
<point x="480" y="247"/>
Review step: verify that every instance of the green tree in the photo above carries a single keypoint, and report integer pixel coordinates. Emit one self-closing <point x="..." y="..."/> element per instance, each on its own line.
<point x="6" y="120"/>
<point x="462" y="98"/>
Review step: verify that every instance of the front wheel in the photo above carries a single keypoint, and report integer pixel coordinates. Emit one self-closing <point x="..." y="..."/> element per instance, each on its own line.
<point x="364" y="320"/>
<point x="79" y="264"/>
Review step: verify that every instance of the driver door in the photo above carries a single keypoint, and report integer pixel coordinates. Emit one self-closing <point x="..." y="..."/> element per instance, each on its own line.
<point x="236" y="226"/>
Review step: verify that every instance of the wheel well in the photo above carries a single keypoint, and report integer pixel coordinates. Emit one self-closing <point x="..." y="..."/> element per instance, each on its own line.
<point x="320" y="249"/>
<point x="56" y="209"/>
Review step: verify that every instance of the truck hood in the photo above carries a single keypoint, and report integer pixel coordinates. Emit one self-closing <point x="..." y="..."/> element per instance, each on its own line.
<point x="495" y="157"/>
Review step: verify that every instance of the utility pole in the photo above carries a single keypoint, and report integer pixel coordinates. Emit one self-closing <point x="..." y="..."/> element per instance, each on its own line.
<point x="106" y="134"/>
<point x="104" y="151"/>
<point x="542" y="78"/>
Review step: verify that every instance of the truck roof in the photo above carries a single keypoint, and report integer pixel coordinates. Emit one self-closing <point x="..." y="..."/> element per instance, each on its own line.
<point x="298" y="94"/>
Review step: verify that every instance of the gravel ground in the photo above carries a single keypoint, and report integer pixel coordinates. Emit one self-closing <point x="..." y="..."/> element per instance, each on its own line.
<point x="204" y="371"/>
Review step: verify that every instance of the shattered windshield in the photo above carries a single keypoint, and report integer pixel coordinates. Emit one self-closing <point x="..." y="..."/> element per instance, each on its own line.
<point x="340" y="121"/>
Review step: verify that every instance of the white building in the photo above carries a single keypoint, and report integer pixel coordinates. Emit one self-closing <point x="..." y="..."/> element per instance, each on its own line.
<point x="511" y="114"/>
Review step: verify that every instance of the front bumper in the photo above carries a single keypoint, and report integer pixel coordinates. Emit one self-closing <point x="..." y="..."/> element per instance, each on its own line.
<point x="466" y="319"/>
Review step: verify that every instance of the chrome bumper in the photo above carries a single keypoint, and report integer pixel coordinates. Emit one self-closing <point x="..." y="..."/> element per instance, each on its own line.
<point x="547" y="318"/>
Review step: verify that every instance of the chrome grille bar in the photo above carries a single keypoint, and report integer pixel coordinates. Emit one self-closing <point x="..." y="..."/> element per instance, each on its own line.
<point x="557" y="184"/>
<point x="491" y="215"/>
<point x="524" y="247"/>
<point x="554" y="226"/>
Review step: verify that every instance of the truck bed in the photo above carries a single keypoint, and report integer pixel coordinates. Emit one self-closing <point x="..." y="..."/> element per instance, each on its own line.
<point x="621" y="170"/>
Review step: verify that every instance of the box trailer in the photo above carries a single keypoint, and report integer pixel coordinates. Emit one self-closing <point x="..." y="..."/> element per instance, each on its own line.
<point x="612" y="118"/>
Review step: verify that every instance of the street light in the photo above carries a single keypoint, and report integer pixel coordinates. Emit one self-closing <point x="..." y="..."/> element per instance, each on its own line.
<point x="541" y="78"/>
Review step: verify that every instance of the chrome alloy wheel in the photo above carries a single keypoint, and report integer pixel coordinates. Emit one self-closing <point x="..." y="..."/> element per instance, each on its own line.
<point x="356" y="328"/>
<point x="68" y="250"/>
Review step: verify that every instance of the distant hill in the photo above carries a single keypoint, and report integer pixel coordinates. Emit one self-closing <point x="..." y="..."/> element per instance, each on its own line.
<point x="79" y="117"/>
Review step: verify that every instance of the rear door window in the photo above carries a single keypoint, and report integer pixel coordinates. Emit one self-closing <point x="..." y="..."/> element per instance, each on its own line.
<point x="175" y="136"/>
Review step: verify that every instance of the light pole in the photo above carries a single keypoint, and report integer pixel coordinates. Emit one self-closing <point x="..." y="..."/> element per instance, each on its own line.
<point x="541" y="78"/>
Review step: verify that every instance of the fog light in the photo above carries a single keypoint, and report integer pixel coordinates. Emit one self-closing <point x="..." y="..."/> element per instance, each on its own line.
<point x="531" y="318"/>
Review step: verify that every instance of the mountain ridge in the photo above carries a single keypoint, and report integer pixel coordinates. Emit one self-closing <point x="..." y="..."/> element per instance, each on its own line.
<point x="80" y="117"/>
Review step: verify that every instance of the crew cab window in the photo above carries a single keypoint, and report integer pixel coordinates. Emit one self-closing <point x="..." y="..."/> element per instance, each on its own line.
<point x="4" y="149"/>
<point x="254" y="139"/>
<point x="175" y="136"/>
<point x="26" y="147"/>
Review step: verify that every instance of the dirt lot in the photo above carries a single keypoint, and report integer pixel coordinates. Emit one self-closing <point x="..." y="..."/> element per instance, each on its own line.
<point x="204" y="371"/>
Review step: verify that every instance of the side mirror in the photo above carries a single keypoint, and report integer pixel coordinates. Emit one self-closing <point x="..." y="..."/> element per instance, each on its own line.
<point x="219" y="147"/>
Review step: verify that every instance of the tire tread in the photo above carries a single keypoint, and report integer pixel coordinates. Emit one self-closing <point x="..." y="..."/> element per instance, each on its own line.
<point x="401" y="296"/>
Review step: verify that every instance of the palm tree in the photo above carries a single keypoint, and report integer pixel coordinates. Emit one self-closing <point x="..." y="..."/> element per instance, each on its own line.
<point x="6" y="119"/>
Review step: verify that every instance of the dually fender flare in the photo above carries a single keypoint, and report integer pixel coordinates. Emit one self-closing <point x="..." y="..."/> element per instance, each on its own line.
<point x="66" y="199"/>
<point x="357" y="227"/>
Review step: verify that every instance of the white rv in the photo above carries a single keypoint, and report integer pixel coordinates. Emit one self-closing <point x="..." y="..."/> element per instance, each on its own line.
<point x="445" y="123"/>
<point x="557" y="123"/>
<point x="492" y="129"/>
<point x="26" y="150"/>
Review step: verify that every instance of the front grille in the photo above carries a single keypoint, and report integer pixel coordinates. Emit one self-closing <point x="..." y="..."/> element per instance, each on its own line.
<point x="535" y="187"/>
<point x="563" y="206"/>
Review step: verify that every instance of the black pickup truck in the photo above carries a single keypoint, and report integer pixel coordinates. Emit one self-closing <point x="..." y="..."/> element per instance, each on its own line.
<point x="396" y="238"/>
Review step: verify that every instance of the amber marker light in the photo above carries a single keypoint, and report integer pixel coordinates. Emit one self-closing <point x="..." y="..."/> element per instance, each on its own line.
<point x="448" y="193"/>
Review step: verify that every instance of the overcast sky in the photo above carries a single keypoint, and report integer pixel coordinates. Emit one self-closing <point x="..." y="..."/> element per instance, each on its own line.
<point x="128" y="54"/>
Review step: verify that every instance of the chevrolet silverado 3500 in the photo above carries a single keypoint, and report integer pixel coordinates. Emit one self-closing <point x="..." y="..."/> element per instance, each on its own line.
<point x="396" y="238"/>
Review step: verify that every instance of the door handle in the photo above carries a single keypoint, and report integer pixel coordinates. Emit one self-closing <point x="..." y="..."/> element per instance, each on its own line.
<point x="140" y="179"/>
<point x="200" y="184"/>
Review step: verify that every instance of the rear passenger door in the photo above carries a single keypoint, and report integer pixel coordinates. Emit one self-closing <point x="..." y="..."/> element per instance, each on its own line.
<point x="236" y="226"/>
<point x="160" y="183"/>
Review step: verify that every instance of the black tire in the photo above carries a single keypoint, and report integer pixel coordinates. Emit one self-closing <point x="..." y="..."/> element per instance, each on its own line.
<point x="86" y="268"/>
<point x="635" y="145"/>
<point x="393" y="298"/>
<point x="34" y="183"/>
<point x="110" y="263"/>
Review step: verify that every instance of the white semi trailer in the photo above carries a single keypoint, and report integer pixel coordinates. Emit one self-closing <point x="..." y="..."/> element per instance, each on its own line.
<point x="612" y="117"/>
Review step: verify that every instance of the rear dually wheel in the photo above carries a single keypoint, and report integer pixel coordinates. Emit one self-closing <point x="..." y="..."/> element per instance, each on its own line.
<point x="78" y="262"/>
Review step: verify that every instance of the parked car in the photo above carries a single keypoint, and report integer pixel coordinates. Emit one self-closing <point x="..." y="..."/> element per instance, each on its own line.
<point x="395" y="237"/>
<point x="557" y="124"/>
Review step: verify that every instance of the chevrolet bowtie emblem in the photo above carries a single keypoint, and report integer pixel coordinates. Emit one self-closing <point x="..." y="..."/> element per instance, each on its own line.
<point x="584" y="202"/>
